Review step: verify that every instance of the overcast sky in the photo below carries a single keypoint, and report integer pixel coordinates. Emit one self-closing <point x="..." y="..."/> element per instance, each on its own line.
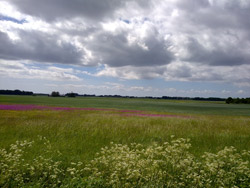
<point x="126" y="47"/>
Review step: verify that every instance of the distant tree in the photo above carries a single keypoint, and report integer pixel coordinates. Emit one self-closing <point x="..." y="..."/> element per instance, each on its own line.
<point x="15" y="92"/>
<point x="71" y="94"/>
<point x="55" y="94"/>
<point x="244" y="101"/>
<point x="238" y="100"/>
<point x="229" y="100"/>
<point x="248" y="100"/>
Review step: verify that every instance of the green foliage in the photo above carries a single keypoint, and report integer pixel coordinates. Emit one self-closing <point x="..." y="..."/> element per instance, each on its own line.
<point x="55" y="94"/>
<point x="71" y="94"/>
<point x="238" y="100"/>
<point x="119" y="165"/>
<point x="229" y="100"/>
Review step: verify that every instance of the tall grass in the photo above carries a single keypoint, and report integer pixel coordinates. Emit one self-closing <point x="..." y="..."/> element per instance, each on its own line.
<point x="80" y="134"/>
<point x="46" y="148"/>
<point x="120" y="165"/>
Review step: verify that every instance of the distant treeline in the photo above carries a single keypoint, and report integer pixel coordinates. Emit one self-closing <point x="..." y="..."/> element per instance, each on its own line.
<point x="57" y="94"/>
<point x="15" y="92"/>
<point x="164" y="97"/>
<point x="194" y="98"/>
<point x="238" y="100"/>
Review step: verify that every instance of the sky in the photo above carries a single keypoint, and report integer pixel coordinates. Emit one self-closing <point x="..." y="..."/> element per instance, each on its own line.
<point x="192" y="48"/>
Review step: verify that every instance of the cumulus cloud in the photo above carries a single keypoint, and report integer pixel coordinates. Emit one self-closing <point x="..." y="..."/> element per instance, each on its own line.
<point x="198" y="40"/>
<point x="64" y="9"/>
<point x="118" y="50"/>
<point x="40" y="47"/>
<point x="12" y="69"/>
<point x="129" y="72"/>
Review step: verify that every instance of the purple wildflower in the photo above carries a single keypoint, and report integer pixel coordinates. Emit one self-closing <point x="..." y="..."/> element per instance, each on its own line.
<point x="21" y="107"/>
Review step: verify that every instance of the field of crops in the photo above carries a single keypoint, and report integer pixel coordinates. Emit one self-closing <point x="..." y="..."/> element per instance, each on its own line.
<point x="114" y="142"/>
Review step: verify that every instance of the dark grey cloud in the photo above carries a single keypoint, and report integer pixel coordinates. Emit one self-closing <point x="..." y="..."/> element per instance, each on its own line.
<point x="219" y="56"/>
<point x="38" y="46"/>
<point x="212" y="34"/>
<point x="217" y="31"/>
<point x="65" y="9"/>
<point x="219" y="17"/>
<point x="115" y="50"/>
<point x="192" y="5"/>
<point x="68" y="9"/>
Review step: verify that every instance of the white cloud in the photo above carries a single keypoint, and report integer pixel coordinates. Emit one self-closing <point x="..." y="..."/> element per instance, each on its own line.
<point x="226" y="92"/>
<point x="173" y="40"/>
<point x="61" y="70"/>
<point x="183" y="71"/>
<point x="21" y="70"/>
<point x="240" y="91"/>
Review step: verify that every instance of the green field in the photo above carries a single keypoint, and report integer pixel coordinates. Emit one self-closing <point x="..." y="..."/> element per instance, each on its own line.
<point x="168" y="106"/>
<point x="79" y="135"/>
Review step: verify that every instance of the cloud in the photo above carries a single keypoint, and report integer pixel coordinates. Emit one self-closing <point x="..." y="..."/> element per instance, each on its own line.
<point x="173" y="40"/>
<point x="100" y="89"/>
<point x="240" y="91"/>
<point x="130" y="73"/>
<point x="182" y="71"/>
<point x="226" y="54"/>
<point x="90" y="10"/>
<point x="40" y="47"/>
<point x="120" y="49"/>
<point x="64" y="9"/>
<point x="152" y="35"/>
<point x="214" y="32"/>
<point x="12" y="69"/>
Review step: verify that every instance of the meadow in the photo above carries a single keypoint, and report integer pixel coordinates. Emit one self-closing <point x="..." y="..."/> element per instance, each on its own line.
<point x="210" y="137"/>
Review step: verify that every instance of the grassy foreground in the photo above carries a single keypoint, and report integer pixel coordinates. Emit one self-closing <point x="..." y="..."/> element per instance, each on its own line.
<point x="74" y="138"/>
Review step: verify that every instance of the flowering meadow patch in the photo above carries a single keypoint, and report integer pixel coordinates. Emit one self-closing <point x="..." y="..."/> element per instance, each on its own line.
<point x="20" y="107"/>
<point x="154" y="160"/>
<point x="119" y="165"/>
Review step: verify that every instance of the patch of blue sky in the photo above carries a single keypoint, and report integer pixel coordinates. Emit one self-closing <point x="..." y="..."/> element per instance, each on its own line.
<point x="11" y="19"/>
<point x="125" y="20"/>
<point x="146" y="19"/>
<point x="41" y="66"/>
<point x="90" y="70"/>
